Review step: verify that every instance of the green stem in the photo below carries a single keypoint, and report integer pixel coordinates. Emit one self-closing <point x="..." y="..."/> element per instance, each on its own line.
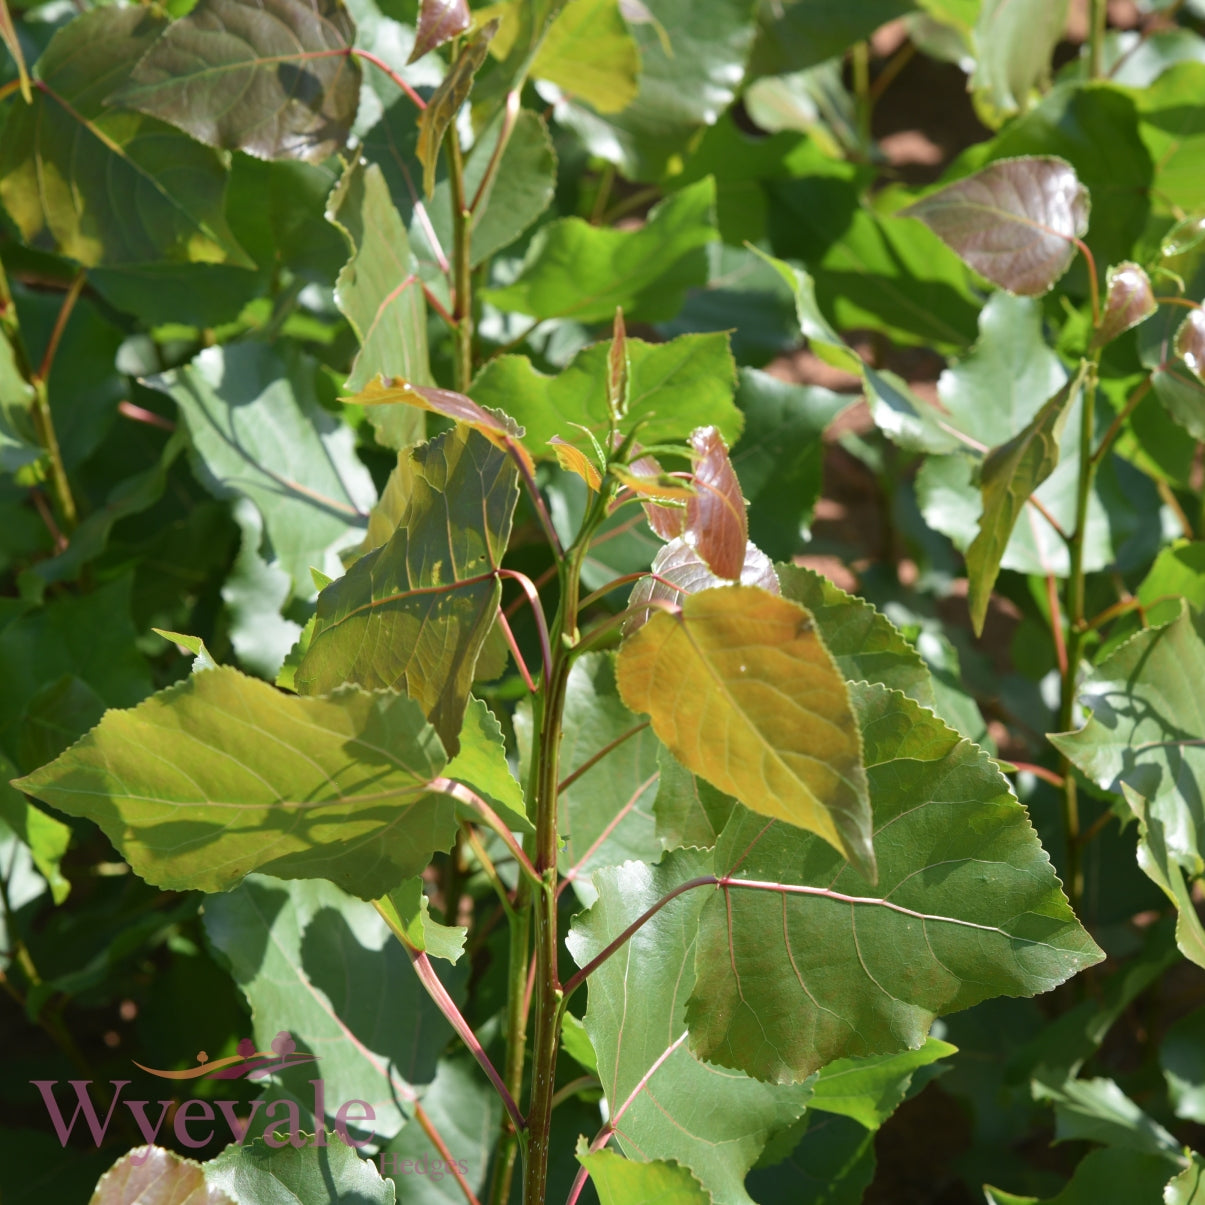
<point x="862" y="96"/>
<point x="462" y="282"/>
<point x="1077" y="629"/>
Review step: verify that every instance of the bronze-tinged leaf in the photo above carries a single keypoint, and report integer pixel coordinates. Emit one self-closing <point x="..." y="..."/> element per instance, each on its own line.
<point x="741" y="689"/>
<point x="446" y="100"/>
<point x="439" y="21"/>
<point x="668" y="522"/>
<point x="1129" y="300"/>
<point x="1015" y="221"/>
<point x="1190" y="343"/>
<point x="715" y="517"/>
<point x="151" y="1175"/>
<point x="261" y="76"/>
<point x="678" y="570"/>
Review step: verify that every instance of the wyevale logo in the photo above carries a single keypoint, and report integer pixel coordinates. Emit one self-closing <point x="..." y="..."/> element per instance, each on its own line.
<point x="196" y="1123"/>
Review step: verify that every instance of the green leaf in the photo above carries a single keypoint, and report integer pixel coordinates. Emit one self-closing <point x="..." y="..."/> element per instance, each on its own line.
<point x="692" y="60"/>
<point x="778" y="456"/>
<point x="153" y="1174"/>
<point x="382" y="298"/>
<point x="1182" y="1059"/>
<point x="606" y="813"/>
<point x="444" y="103"/>
<point x="482" y="765"/>
<point x="324" y="967"/>
<point x="620" y="1181"/>
<point x="221" y="775"/>
<point x="46" y="837"/>
<point x="8" y="35"/>
<point x="590" y="55"/>
<point x="1188" y="1188"/>
<point x="255" y="77"/>
<point x="260" y="433"/>
<point x="832" y="1164"/>
<point x="311" y="1175"/>
<point x="967" y="907"/>
<point x="1103" y="1175"/>
<point x="1173" y="130"/>
<point x="866" y="645"/>
<point x="1009" y="475"/>
<point x="713" y="1121"/>
<point x="1098" y="1110"/>
<point x="1014" y="41"/>
<point x="743" y="692"/>
<point x="1015" y="221"/>
<point x="414" y="614"/>
<point x="73" y="171"/>
<point x="870" y="1089"/>
<point x="802" y="33"/>
<point x="19" y="445"/>
<point x="202" y="658"/>
<point x="673" y="388"/>
<point x="405" y="910"/>
<point x="688" y="810"/>
<point x="575" y="270"/>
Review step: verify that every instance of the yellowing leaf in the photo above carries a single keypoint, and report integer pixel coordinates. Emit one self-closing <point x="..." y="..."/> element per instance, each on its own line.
<point x="742" y="690"/>
<point x="574" y="460"/>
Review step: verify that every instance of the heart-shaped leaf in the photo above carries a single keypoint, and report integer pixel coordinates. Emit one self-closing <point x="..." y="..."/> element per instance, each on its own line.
<point x="1015" y="221"/>
<point x="742" y="690"/>
<point x="261" y="76"/>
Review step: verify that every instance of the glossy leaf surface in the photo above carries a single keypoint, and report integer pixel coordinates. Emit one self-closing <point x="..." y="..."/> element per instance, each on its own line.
<point x="151" y="1175"/>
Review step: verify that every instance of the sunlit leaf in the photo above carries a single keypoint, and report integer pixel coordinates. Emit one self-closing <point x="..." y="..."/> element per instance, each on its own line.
<point x="574" y="460"/>
<point x="72" y="171"/>
<point x="1129" y="300"/>
<point x="866" y="646"/>
<point x="381" y="296"/>
<point x="438" y="22"/>
<point x="1014" y="41"/>
<point x="413" y="615"/>
<point x="1111" y="1173"/>
<point x="1190" y="343"/>
<point x="46" y="836"/>
<point x="222" y="775"/>
<point x="253" y="76"/>
<point x="1014" y="221"/>
<point x="151" y="1175"/>
<point x="713" y="1121"/>
<point x="444" y="103"/>
<point x="1009" y="475"/>
<point x="576" y="270"/>
<point x="589" y="53"/>
<point x="406" y="911"/>
<point x="8" y="35"/>
<point x="620" y="1181"/>
<point x="815" y="964"/>
<point x="743" y="692"/>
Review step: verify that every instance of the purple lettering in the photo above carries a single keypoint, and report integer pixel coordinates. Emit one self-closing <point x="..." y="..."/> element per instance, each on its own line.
<point x="83" y="1103"/>
<point x="292" y="1135"/>
<point x="342" y="1118"/>
<point x="138" y="1112"/>
<point x="238" y="1129"/>
<point x="319" y="1112"/>
<point x="203" y="1112"/>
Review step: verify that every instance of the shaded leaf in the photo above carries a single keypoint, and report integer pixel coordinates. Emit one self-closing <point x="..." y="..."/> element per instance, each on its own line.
<point x="19" y="446"/>
<point x="1172" y="128"/>
<point x="743" y="692"/>
<point x="323" y="966"/>
<point x="679" y="570"/>
<point x="688" y="810"/>
<point x="380" y="295"/>
<point x="259" y="432"/>
<point x="8" y="35"/>
<point x="253" y="76"/>
<point x="414" y="614"/>
<point x="1009" y="475"/>
<point x="620" y="1181"/>
<point x="221" y="775"/>
<point x="865" y="645"/>
<point x="1190" y="344"/>
<point x="1182" y="1058"/>
<point x="673" y="388"/>
<point x="802" y="33"/>
<point x="1098" y="1110"/>
<point x="150" y="1175"/>
<point x="45" y="836"/>
<point x="1014" y="41"/>
<point x="73" y="171"/>
<point x="1102" y="1175"/>
<point x="439" y="21"/>
<point x="1129" y="300"/>
<point x="1015" y="221"/>
<point x="713" y="1121"/>
<point x="311" y="1175"/>
<point x="575" y="270"/>
<point x="870" y="1089"/>
<point x="832" y="1164"/>
<point x="444" y="103"/>
<point x="967" y="907"/>
<point x="716" y="525"/>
